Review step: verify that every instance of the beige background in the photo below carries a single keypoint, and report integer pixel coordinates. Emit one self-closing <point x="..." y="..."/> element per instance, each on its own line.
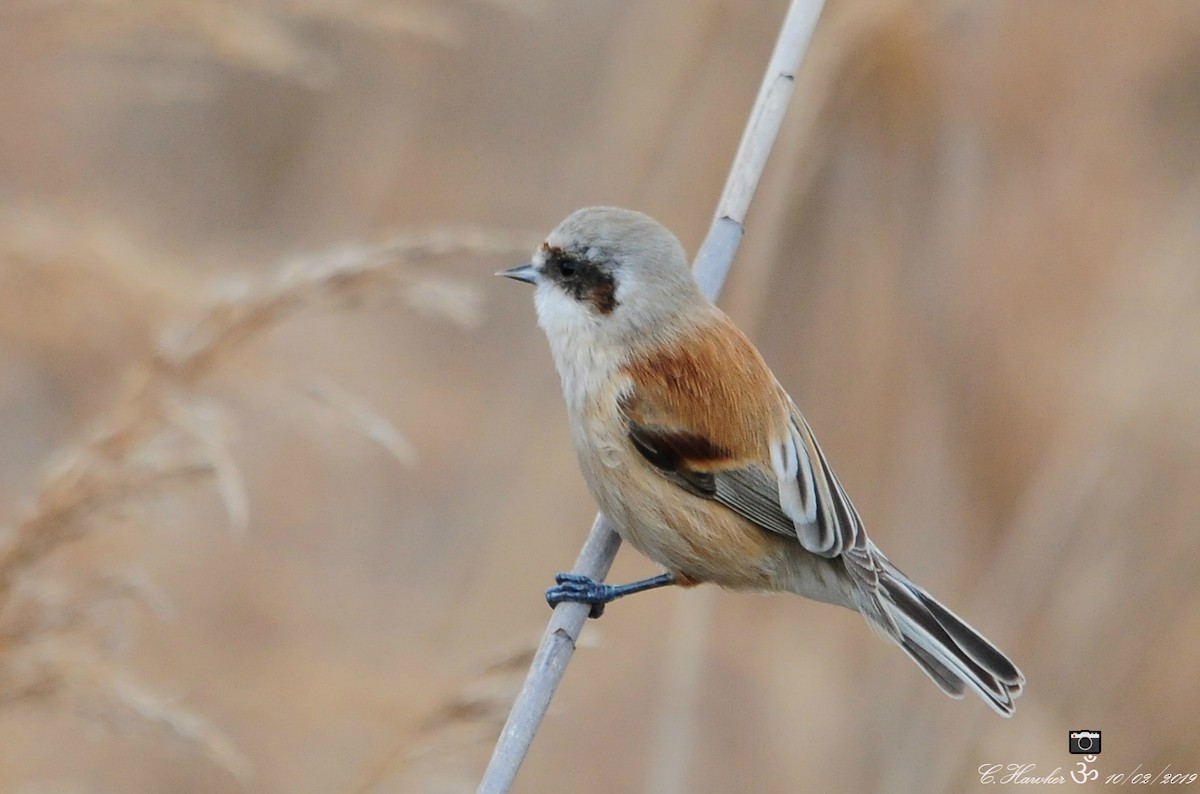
<point x="973" y="262"/>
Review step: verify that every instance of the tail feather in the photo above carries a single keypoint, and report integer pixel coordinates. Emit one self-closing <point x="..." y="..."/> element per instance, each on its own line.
<point x="975" y="644"/>
<point x="954" y="655"/>
<point x="943" y="676"/>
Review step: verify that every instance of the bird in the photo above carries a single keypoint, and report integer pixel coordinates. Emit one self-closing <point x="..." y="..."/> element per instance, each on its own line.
<point x="702" y="461"/>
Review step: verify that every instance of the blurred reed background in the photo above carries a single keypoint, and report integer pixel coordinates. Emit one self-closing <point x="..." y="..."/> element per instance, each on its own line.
<point x="284" y="470"/>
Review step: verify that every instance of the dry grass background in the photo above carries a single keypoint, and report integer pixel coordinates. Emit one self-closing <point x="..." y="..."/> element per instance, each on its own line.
<point x="223" y="294"/>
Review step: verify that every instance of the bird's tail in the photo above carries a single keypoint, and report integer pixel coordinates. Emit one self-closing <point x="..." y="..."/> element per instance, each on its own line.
<point x="950" y="652"/>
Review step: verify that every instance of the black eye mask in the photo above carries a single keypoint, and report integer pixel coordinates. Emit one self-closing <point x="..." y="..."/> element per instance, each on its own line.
<point x="583" y="279"/>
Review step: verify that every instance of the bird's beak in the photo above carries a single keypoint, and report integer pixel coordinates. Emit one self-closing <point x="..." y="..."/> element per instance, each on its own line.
<point x="526" y="272"/>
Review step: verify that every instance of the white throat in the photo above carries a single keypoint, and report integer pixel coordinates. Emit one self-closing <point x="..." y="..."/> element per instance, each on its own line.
<point x="584" y="358"/>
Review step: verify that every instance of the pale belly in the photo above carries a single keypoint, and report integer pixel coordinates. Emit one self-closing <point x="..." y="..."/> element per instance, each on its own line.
<point x="694" y="538"/>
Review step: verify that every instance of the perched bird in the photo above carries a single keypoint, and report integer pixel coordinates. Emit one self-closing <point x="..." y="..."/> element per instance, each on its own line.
<point x="692" y="448"/>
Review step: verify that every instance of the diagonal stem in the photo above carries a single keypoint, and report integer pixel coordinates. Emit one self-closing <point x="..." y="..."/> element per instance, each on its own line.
<point x="712" y="265"/>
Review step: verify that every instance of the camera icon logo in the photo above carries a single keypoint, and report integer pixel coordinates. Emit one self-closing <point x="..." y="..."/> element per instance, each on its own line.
<point x="1084" y="742"/>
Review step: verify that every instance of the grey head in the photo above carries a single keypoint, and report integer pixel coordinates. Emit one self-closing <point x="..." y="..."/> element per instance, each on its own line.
<point x="609" y="272"/>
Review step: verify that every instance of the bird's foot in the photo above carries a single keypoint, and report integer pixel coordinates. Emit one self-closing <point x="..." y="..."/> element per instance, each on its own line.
<point x="579" y="589"/>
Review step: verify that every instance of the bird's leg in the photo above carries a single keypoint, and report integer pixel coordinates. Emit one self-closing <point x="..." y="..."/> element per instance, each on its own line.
<point x="582" y="589"/>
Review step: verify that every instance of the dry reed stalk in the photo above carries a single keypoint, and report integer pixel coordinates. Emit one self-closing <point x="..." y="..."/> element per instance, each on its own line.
<point x="162" y="433"/>
<point x="713" y="261"/>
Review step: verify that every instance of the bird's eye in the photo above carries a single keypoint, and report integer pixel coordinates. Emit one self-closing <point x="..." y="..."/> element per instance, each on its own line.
<point x="567" y="267"/>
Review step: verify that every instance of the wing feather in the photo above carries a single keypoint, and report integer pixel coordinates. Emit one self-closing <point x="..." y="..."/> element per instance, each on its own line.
<point x="753" y="493"/>
<point x="800" y="497"/>
<point x="843" y="528"/>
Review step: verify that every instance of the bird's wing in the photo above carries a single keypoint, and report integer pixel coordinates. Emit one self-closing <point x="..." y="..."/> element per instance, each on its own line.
<point x="826" y="524"/>
<point x="781" y="500"/>
<point x="699" y="433"/>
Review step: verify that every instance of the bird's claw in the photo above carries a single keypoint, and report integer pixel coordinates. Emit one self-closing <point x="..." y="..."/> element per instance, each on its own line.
<point x="579" y="589"/>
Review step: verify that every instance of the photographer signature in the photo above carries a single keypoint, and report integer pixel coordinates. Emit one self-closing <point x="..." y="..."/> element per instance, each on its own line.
<point x="1026" y="774"/>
